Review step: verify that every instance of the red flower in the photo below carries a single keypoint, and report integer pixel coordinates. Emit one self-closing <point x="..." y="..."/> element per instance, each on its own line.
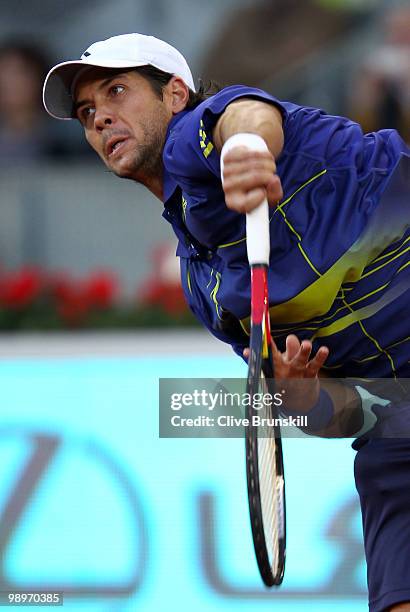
<point x="72" y="305"/>
<point x="20" y="289"/>
<point x="61" y="286"/>
<point x="168" y="296"/>
<point x="163" y="287"/>
<point x="100" y="289"/>
<point x="76" y="298"/>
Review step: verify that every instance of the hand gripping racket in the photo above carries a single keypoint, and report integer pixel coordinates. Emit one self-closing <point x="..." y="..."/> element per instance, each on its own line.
<point x="264" y="459"/>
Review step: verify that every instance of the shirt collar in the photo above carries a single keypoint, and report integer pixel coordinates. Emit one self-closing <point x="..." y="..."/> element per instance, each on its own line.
<point x="169" y="184"/>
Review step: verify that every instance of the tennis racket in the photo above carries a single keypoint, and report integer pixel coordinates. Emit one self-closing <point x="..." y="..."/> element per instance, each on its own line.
<point x="264" y="459"/>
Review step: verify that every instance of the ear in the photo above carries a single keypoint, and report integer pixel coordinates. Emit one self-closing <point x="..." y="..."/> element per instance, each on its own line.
<point x="177" y="94"/>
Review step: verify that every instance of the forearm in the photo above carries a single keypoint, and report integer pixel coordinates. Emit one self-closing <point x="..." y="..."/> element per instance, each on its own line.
<point x="348" y="413"/>
<point x="336" y="410"/>
<point x="251" y="116"/>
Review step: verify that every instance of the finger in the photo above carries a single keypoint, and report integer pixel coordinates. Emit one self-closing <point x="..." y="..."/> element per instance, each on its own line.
<point x="275" y="350"/>
<point x="292" y="347"/>
<point x="245" y="202"/>
<point x="238" y="167"/>
<point x="318" y="361"/>
<point x="302" y="357"/>
<point x="274" y="191"/>
<point x="241" y="153"/>
<point x="246" y="353"/>
<point x="247" y="179"/>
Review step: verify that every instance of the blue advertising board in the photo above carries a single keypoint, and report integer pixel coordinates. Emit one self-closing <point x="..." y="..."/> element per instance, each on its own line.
<point x="95" y="504"/>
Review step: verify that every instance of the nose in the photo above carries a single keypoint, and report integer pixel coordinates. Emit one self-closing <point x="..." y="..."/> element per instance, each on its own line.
<point x="103" y="118"/>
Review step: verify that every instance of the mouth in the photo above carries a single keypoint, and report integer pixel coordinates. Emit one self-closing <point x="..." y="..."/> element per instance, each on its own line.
<point x="114" y="145"/>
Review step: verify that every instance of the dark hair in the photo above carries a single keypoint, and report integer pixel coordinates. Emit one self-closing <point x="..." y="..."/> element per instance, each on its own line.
<point x="158" y="79"/>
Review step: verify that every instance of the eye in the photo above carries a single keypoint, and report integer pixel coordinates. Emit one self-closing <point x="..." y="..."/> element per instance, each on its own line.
<point x="115" y="90"/>
<point x="86" y="113"/>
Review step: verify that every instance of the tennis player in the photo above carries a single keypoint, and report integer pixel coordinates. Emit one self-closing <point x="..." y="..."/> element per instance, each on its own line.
<point x="339" y="273"/>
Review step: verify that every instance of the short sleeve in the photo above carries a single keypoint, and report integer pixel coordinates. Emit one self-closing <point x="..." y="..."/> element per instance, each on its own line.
<point x="189" y="154"/>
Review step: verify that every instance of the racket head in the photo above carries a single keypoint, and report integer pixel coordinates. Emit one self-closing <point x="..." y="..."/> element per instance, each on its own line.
<point x="266" y="492"/>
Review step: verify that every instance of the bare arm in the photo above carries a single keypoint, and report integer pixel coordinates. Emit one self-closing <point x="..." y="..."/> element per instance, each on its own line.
<point x="252" y="116"/>
<point x="250" y="176"/>
<point x="348" y="417"/>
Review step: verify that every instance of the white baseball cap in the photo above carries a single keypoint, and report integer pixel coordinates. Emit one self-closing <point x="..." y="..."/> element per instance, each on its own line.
<point x="124" y="51"/>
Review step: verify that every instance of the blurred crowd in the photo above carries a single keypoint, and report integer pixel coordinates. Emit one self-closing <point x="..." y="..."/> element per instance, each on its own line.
<point x="27" y="133"/>
<point x="265" y="38"/>
<point x="256" y="44"/>
<point x="255" y="41"/>
<point x="380" y="89"/>
<point x="262" y="43"/>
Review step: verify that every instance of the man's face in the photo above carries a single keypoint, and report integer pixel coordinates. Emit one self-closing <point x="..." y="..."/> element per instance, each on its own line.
<point x="124" y="121"/>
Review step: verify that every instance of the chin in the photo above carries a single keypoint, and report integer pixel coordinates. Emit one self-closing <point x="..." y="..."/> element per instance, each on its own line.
<point x="123" y="173"/>
<point x="122" y="169"/>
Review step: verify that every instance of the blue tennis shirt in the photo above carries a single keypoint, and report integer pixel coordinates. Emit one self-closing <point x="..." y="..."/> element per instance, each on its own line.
<point x="339" y="271"/>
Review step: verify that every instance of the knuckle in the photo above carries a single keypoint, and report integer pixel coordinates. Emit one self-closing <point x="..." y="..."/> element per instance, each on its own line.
<point x="232" y="168"/>
<point x="258" y="179"/>
<point x="229" y="182"/>
<point x="236" y="203"/>
<point x="237" y="153"/>
<point x="255" y="197"/>
<point x="241" y="180"/>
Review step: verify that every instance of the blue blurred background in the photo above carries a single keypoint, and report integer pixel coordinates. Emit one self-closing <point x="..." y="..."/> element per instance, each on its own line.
<point x="92" y="502"/>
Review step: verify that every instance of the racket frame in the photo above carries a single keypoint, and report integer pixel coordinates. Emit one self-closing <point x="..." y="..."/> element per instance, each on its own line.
<point x="260" y="364"/>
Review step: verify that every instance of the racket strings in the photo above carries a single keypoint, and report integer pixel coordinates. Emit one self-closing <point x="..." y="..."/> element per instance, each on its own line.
<point x="271" y="487"/>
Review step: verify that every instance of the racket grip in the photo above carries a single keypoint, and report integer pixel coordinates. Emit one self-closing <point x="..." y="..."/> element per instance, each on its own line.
<point x="257" y="221"/>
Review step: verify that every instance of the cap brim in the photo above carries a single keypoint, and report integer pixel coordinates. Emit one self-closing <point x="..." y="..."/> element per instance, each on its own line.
<point x="57" y="90"/>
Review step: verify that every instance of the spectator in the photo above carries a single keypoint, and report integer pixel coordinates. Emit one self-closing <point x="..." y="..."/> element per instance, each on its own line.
<point x="261" y="40"/>
<point x="26" y="133"/>
<point x="381" y="88"/>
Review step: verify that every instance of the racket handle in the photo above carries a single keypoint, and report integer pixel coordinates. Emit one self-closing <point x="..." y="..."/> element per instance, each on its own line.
<point x="257" y="221"/>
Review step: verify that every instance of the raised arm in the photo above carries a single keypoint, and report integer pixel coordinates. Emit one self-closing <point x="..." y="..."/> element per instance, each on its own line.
<point x="254" y="116"/>
<point x="250" y="176"/>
